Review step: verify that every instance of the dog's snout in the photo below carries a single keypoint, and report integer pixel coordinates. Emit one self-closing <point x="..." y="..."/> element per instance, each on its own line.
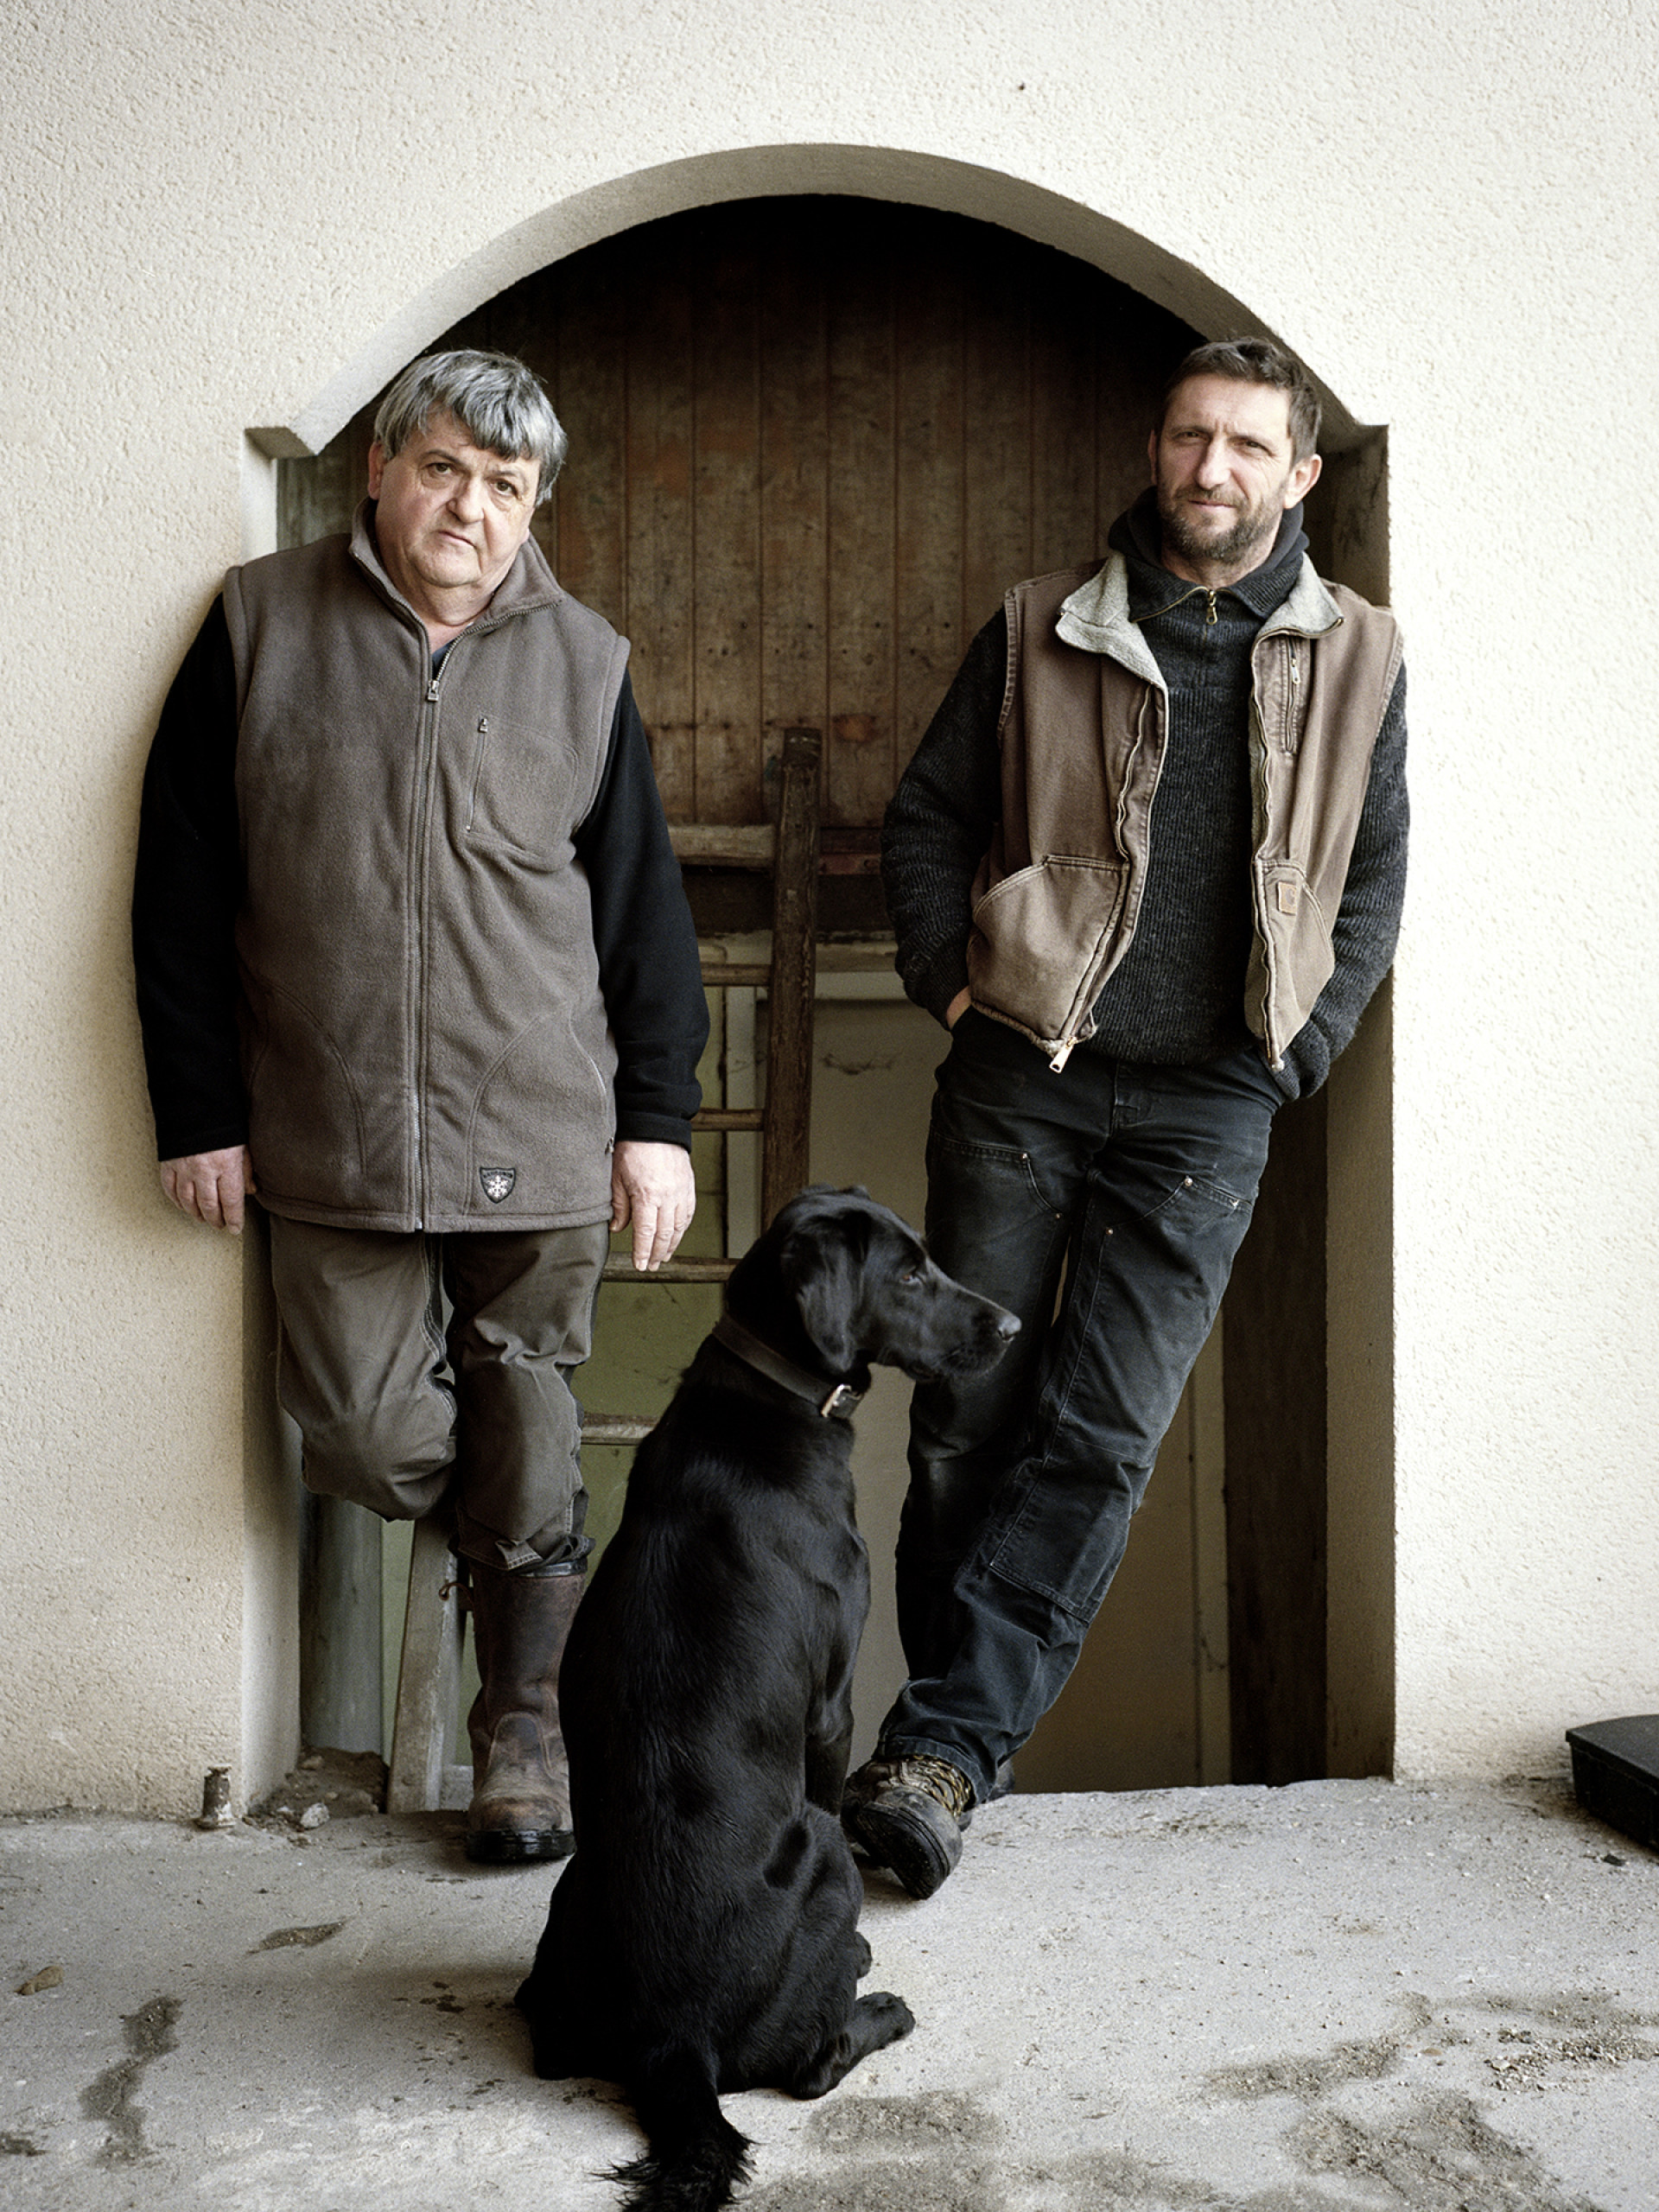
<point x="1007" y="1326"/>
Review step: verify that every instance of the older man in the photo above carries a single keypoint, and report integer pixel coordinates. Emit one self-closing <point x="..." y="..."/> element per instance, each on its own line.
<point x="415" y="963"/>
<point x="1146" y="866"/>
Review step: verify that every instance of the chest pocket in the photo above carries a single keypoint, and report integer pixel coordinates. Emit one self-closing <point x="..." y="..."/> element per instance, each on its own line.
<point x="521" y="789"/>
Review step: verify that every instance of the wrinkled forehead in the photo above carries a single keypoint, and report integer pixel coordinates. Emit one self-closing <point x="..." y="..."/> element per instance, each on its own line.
<point x="442" y="432"/>
<point x="1229" y="403"/>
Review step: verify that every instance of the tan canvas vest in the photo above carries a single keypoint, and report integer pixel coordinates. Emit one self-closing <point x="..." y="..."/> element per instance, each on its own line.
<point x="1083" y="728"/>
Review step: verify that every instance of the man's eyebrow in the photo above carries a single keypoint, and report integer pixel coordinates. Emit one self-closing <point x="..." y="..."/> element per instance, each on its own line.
<point x="498" y="465"/>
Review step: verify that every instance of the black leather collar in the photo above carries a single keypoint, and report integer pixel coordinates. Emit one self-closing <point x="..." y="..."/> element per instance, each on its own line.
<point x="839" y="1403"/>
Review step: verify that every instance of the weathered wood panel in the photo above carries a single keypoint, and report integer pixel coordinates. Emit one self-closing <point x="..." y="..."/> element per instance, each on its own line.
<point x="861" y="762"/>
<point x="812" y="442"/>
<point x="794" y="491"/>
<point x="1275" y="1387"/>
<point x="660" y="613"/>
<point x="930" y="538"/>
<point x="999" y="407"/>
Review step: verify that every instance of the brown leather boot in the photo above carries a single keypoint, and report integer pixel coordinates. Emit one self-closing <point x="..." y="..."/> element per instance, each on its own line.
<point x="521" y="1790"/>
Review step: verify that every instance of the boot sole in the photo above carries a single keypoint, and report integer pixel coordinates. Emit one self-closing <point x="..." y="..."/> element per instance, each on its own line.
<point x="520" y="1846"/>
<point x="917" y="1855"/>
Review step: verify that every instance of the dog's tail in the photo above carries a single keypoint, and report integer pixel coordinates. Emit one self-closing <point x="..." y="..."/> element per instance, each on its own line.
<point x="696" y="2158"/>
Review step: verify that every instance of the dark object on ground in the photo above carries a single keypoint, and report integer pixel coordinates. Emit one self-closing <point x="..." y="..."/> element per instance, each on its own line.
<point x="705" y="1937"/>
<point x="1616" y="1774"/>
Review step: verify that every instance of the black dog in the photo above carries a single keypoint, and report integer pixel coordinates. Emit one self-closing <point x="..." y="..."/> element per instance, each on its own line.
<point x="705" y="1937"/>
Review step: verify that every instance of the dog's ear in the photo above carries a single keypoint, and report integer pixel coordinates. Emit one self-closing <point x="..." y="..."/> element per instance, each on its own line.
<point x="819" y="1266"/>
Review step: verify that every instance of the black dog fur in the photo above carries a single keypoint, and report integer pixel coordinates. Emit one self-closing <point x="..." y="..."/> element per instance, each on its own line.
<point x="705" y="1937"/>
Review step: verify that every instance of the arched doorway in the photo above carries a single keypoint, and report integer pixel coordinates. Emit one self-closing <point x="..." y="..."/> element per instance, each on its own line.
<point x="812" y="442"/>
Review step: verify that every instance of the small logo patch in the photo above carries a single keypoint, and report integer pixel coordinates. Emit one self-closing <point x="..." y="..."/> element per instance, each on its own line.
<point x="497" y="1182"/>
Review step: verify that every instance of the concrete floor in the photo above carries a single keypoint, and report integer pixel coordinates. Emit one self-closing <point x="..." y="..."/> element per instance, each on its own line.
<point x="1341" y="1996"/>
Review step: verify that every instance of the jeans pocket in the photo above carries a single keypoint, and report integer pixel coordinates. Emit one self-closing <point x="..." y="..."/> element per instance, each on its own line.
<point x="992" y="1224"/>
<point x="1197" y="1203"/>
<point x="968" y="1164"/>
<point x="1062" y="1539"/>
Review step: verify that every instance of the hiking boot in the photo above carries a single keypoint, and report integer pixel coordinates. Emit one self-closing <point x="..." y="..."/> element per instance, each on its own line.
<point x="521" y="1789"/>
<point x="908" y="1815"/>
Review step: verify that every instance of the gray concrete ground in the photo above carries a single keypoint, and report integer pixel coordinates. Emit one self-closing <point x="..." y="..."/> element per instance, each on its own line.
<point x="1345" y="1994"/>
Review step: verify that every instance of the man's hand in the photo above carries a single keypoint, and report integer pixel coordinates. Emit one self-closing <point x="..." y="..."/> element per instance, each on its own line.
<point x="210" y="1186"/>
<point x="653" y="1188"/>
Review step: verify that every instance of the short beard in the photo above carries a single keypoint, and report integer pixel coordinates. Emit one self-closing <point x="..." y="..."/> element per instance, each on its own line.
<point x="1252" y="531"/>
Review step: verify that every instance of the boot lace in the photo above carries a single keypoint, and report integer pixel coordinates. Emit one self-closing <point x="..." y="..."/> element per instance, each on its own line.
<point x="947" y="1784"/>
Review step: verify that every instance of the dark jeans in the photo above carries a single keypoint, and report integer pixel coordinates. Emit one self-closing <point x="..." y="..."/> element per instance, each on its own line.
<point x="1138" y="1182"/>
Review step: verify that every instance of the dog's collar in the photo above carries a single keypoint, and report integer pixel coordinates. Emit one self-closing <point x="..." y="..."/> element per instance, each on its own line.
<point x="839" y="1403"/>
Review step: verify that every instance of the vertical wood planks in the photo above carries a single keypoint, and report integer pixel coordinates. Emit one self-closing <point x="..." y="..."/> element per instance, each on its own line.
<point x="861" y="398"/>
<point x="794" y="480"/>
<point x="662" y="531"/>
<point x="930" y="496"/>
<point x="726" y="473"/>
<point x="1066" y="526"/>
<point x="591" y="399"/>
<point x="997" y="419"/>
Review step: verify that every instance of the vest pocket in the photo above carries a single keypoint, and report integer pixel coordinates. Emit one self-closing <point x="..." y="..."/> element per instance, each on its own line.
<point x="305" y="1118"/>
<point x="1042" y="941"/>
<point x="544" y="1114"/>
<point x="1292" y="958"/>
<point x="523" y="783"/>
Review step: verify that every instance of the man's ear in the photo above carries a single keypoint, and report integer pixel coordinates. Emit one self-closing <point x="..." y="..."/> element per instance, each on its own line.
<point x="1303" y="478"/>
<point x="377" y="467"/>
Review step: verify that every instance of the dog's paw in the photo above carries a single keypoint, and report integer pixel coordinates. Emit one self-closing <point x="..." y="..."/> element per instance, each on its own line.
<point x="883" y="2018"/>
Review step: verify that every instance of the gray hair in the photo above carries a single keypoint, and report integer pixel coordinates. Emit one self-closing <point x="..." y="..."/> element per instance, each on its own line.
<point x="1256" y="361"/>
<point x="498" y="401"/>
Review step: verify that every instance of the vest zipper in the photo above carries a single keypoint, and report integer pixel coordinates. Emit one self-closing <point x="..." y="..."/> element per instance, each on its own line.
<point x="424" y="765"/>
<point x="1069" y="1045"/>
<point x="1289" y="738"/>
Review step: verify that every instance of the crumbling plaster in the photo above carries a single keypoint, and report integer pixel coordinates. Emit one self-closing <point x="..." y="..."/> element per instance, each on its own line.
<point x="220" y="219"/>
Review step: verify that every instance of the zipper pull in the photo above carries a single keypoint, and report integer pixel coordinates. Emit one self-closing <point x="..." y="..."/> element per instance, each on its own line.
<point x="432" y="692"/>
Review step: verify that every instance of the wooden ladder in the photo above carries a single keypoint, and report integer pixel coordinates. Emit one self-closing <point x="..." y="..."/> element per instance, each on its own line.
<point x="422" y="1775"/>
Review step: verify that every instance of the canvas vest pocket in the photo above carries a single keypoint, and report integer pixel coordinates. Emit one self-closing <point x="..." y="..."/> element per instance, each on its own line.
<point x="1042" y="942"/>
<point x="1291" y="959"/>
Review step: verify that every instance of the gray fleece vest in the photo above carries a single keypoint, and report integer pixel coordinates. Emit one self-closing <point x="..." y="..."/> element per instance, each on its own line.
<point x="425" y="1044"/>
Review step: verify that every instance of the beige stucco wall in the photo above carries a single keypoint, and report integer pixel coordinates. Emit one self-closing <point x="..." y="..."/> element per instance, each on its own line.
<point x="236" y="217"/>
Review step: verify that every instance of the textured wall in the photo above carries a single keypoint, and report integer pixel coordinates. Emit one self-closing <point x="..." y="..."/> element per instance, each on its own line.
<point x="222" y="218"/>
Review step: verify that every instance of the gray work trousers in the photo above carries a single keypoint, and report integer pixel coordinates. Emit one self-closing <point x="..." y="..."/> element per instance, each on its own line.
<point x="406" y="1415"/>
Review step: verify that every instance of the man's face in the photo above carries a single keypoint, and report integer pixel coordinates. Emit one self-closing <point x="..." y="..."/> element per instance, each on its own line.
<point x="1224" y="469"/>
<point x="449" y="519"/>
